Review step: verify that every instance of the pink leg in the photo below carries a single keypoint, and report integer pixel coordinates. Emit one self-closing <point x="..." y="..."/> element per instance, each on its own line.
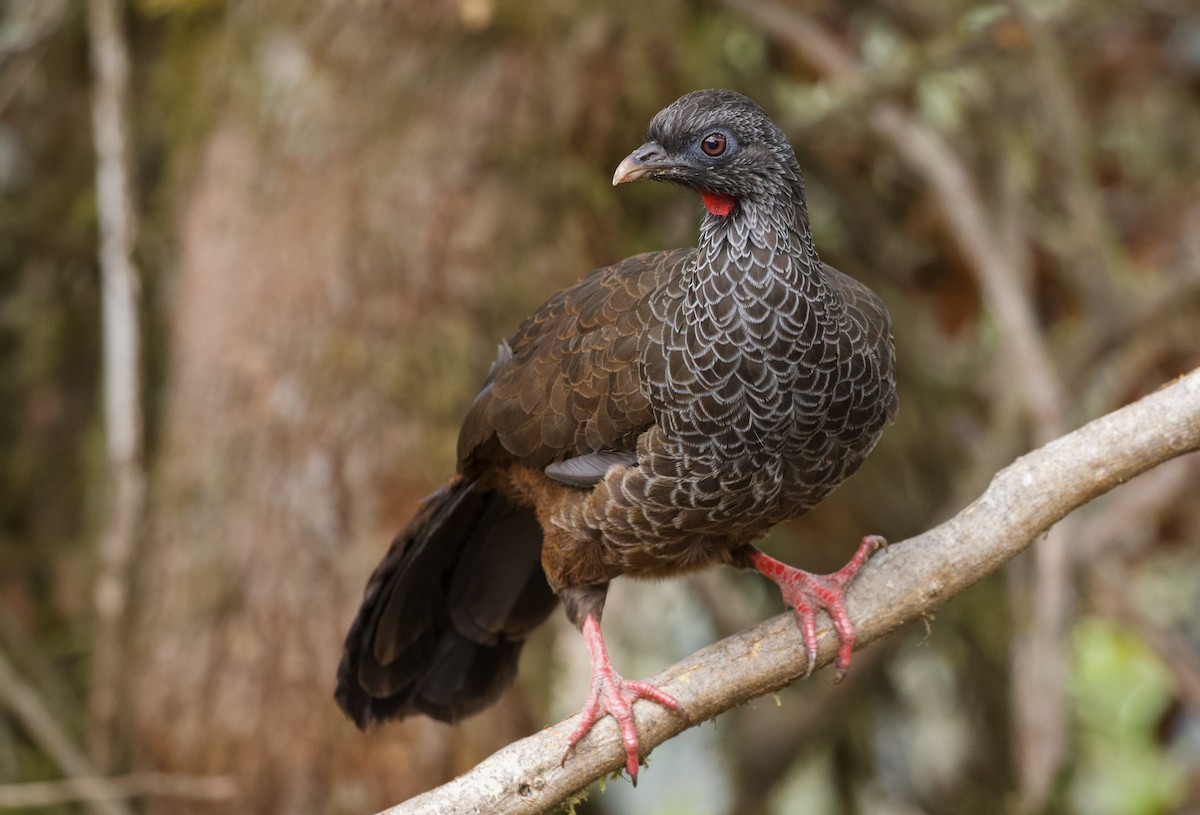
<point x="613" y="694"/>
<point x="806" y="592"/>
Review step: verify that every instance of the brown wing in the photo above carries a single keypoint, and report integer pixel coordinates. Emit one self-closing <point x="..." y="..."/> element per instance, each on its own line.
<point x="568" y="382"/>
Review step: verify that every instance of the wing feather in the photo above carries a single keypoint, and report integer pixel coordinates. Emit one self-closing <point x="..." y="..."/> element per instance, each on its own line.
<point x="569" y="381"/>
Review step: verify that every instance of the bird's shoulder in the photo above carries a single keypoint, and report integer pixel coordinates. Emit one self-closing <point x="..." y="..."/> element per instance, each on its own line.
<point x="568" y="381"/>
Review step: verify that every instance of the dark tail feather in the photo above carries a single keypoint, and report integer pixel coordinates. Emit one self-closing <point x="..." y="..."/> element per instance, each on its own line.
<point x="446" y="612"/>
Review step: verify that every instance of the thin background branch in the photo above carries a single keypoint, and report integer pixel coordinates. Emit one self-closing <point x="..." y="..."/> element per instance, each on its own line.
<point x="135" y="785"/>
<point x="45" y="730"/>
<point x="122" y="362"/>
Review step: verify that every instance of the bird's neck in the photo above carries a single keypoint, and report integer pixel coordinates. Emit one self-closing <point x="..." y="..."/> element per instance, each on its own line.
<point x="761" y="251"/>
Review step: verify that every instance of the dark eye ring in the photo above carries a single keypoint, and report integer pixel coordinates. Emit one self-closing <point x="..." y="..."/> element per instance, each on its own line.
<point x="714" y="144"/>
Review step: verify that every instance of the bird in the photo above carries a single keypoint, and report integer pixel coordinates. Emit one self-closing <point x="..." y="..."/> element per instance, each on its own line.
<point x="656" y="418"/>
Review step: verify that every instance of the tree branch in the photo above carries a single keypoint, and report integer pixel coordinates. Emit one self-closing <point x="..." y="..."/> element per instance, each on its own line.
<point x="902" y="584"/>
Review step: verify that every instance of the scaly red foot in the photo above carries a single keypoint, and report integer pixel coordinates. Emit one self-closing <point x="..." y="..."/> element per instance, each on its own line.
<point x="806" y="592"/>
<point x="614" y="695"/>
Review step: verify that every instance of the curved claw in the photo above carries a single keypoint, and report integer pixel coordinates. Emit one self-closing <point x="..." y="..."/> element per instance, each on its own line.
<point x="807" y="619"/>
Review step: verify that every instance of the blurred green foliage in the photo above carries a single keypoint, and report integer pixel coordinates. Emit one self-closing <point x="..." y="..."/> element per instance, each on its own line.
<point x="1121" y="693"/>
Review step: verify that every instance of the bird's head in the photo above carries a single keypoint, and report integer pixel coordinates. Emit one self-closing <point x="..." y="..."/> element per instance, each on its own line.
<point x="719" y="143"/>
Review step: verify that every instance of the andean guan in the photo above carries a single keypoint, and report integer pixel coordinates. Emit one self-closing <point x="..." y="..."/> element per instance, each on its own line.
<point x="655" y="418"/>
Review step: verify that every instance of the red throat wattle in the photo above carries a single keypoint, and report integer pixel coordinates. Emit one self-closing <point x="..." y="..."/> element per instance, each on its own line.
<point x="718" y="204"/>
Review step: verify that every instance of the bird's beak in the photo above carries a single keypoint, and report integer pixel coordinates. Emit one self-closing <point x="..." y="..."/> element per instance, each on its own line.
<point x="641" y="163"/>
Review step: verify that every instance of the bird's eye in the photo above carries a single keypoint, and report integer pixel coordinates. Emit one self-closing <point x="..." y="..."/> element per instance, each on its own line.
<point x="713" y="144"/>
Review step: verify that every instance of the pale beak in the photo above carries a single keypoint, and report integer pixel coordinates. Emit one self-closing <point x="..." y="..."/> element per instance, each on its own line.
<point x="641" y="163"/>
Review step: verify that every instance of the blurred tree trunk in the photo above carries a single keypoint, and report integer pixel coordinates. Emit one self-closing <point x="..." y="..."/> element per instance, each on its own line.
<point x="379" y="195"/>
